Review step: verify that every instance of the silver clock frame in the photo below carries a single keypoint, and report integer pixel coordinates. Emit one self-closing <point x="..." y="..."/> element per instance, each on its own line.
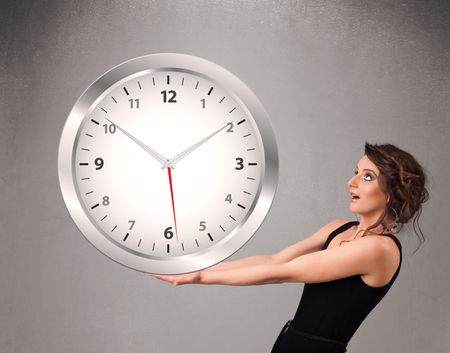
<point x="173" y="264"/>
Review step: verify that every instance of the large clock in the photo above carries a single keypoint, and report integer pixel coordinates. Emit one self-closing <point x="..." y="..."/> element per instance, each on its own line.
<point x="168" y="163"/>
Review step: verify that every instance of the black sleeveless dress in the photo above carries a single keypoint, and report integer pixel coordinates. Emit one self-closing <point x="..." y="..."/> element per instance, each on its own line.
<point x="329" y="313"/>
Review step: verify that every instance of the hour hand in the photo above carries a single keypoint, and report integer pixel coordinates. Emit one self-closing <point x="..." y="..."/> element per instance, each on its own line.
<point x="155" y="154"/>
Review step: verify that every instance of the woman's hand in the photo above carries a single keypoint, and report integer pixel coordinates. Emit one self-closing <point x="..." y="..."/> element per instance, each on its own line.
<point x="257" y="274"/>
<point x="178" y="280"/>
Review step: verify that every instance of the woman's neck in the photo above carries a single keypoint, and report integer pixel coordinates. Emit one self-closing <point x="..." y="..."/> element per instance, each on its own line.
<point x="366" y="221"/>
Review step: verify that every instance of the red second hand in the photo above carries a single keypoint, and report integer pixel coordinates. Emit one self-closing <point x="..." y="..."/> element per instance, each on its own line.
<point x="173" y="204"/>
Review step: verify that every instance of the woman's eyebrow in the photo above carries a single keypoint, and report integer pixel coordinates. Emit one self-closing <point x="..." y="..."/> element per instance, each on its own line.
<point x="368" y="170"/>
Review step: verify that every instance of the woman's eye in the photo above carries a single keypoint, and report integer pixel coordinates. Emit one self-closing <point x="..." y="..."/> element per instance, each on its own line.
<point x="365" y="175"/>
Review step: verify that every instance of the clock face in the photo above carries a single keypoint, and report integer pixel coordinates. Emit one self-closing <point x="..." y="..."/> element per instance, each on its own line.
<point x="168" y="163"/>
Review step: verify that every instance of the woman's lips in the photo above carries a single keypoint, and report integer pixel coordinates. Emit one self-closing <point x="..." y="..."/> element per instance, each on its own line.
<point x="354" y="197"/>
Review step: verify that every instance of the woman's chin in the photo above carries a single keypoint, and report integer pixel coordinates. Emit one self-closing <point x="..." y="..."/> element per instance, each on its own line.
<point x="353" y="208"/>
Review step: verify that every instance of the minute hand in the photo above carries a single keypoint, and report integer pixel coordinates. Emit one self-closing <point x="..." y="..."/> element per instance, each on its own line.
<point x="155" y="154"/>
<point x="190" y="149"/>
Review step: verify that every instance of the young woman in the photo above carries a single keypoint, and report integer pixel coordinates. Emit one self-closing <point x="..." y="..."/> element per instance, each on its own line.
<point x="342" y="283"/>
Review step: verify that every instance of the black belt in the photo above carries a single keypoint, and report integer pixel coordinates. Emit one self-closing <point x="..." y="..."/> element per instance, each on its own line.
<point x="287" y="326"/>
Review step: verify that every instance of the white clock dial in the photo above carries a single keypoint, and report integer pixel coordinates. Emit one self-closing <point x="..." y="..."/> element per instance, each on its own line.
<point x="167" y="163"/>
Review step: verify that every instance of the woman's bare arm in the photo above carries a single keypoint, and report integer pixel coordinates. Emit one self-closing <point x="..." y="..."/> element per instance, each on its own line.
<point x="265" y="268"/>
<point x="363" y="256"/>
<point x="245" y="262"/>
<point x="310" y="244"/>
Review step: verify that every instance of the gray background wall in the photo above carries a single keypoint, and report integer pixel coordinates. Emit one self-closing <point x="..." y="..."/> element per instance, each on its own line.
<point x="331" y="74"/>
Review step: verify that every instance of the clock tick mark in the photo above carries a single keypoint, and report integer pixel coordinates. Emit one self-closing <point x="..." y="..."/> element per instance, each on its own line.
<point x="182" y="81"/>
<point x="153" y="79"/>
<point x="85" y="178"/>
<point x="182" y="246"/>
<point x="139" y="242"/>
<point x="241" y="206"/>
<point x="241" y="121"/>
<point x="210" y="90"/>
<point x="85" y="149"/>
<point x="104" y="110"/>
<point x="112" y="230"/>
<point x="196" y="85"/>
<point x="221" y="227"/>
<point x="247" y="192"/>
<point x="250" y="149"/>
<point x="125" y="89"/>
<point x="89" y="135"/>
<point x="232" y="218"/>
<point x="168" y="248"/>
<point x="139" y="84"/>
<point x="114" y="99"/>
<point x="168" y="79"/>
<point x="126" y="236"/>
<point x="94" y="206"/>
<point x="90" y="192"/>
<point x="222" y="100"/>
<point x="104" y="217"/>
<point x="95" y="121"/>
<point x="153" y="248"/>
<point x="252" y="163"/>
<point x="246" y="135"/>
<point x="250" y="178"/>
<point x="210" y="237"/>
<point x="232" y="110"/>
<point x="84" y="163"/>
<point x="197" y="243"/>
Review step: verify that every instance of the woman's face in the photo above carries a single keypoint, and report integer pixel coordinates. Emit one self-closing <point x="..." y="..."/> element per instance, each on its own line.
<point x="365" y="184"/>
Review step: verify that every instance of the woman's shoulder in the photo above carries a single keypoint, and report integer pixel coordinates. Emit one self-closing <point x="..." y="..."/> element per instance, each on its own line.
<point x="331" y="227"/>
<point x="337" y="223"/>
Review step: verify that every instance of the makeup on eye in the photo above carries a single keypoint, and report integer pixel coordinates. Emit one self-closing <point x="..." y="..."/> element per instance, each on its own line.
<point x="356" y="172"/>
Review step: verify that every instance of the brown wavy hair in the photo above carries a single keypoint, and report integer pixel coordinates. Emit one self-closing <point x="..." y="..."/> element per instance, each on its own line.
<point x="403" y="179"/>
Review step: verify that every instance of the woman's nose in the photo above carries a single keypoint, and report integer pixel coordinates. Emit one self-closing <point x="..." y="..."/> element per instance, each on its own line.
<point x="351" y="182"/>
